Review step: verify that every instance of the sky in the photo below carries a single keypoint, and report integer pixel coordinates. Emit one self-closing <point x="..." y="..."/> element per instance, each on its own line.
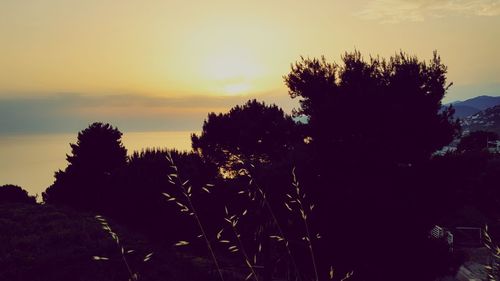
<point x="163" y="65"/>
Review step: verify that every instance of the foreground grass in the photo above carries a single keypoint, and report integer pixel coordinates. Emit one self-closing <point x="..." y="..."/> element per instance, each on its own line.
<point x="40" y="242"/>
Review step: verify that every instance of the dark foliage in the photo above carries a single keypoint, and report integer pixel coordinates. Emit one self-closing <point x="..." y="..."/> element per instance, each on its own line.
<point x="47" y="243"/>
<point x="95" y="158"/>
<point x="468" y="193"/>
<point x="254" y="145"/>
<point x="377" y="110"/>
<point x="254" y="133"/>
<point x="373" y="126"/>
<point x="10" y="193"/>
<point x="141" y="184"/>
<point x="476" y="141"/>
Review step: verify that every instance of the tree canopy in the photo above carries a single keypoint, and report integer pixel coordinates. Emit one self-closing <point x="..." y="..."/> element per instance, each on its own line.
<point x="97" y="154"/>
<point x="98" y="149"/>
<point x="386" y="109"/>
<point x="373" y="125"/>
<point x="254" y="133"/>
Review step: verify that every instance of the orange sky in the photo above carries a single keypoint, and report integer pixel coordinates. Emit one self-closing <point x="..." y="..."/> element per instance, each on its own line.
<point x="178" y="49"/>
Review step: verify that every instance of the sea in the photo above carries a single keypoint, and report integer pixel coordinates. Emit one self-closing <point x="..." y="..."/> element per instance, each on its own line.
<point x="30" y="160"/>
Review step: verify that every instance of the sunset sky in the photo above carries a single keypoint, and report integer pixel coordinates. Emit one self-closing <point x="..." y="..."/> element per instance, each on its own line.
<point x="163" y="65"/>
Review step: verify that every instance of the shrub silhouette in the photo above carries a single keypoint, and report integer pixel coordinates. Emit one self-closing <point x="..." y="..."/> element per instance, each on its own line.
<point x="476" y="141"/>
<point x="85" y="183"/>
<point x="10" y="193"/>
<point x="138" y="188"/>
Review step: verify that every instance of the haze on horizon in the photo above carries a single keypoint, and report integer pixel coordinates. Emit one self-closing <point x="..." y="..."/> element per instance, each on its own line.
<point x="163" y="65"/>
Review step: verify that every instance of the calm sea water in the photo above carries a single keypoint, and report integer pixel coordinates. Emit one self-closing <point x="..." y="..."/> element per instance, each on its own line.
<point x="31" y="160"/>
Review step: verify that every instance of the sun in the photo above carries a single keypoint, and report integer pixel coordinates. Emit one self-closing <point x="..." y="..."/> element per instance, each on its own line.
<point x="232" y="70"/>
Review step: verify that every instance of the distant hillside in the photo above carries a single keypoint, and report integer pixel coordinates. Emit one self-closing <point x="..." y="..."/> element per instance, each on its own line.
<point x="486" y="120"/>
<point x="44" y="243"/>
<point x="462" y="111"/>
<point x="474" y="105"/>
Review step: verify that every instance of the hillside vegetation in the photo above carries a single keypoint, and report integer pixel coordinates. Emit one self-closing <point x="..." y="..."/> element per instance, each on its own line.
<point x="45" y="243"/>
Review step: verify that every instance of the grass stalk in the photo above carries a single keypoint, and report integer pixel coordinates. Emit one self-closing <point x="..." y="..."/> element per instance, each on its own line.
<point x="493" y="268"/>
<point x="273" y="217"/>
<point x="233" y="222"/>
<point x="104" y="224"/>
<point x="280" y="231"/>
<point x="207" y="242"/>
<point x="303" y="212"/>
<point x="192" y="211"/>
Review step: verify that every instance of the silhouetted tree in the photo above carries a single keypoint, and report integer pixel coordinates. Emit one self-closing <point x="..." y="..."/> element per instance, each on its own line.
<point x="476" y="141"/>
<point x="254" y="146"/>
<point x="255" y="134"/>
<point x="96" y="156"/>
<point x="10" y="193"/>
<point x="386" y="110"/>
<point x="372" y="125"/>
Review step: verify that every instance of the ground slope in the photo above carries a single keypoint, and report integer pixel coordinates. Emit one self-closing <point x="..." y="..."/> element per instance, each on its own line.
<point x="40" y="242"/>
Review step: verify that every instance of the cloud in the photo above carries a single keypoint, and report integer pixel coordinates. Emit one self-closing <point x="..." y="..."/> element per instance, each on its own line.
<point x="72" y="112"/>
<point x="395" y="11"/>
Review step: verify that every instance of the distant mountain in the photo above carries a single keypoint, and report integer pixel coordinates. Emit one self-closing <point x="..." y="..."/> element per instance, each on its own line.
<point x="485" y="120"/>
<point x="474" y="105"/>
<point x="480" y="102"/>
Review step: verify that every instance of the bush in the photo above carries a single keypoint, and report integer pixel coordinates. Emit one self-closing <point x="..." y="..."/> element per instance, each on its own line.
<point x="10" y="193"/>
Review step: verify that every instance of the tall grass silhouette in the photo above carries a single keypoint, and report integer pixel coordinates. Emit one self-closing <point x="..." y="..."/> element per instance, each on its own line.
<point x="133" y="276"/>
<point x="280" y="237"/>
<point x="493" y="267"/>
<point x="237" y="245"/>
<point x="189" y="208"/>
<point x="295" y="202"/>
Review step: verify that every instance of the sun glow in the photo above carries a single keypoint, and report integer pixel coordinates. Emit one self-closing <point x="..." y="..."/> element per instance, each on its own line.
<point x="233" y="70"/>
<point x="230" y="63"/>
<point x="236" y="89"/>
